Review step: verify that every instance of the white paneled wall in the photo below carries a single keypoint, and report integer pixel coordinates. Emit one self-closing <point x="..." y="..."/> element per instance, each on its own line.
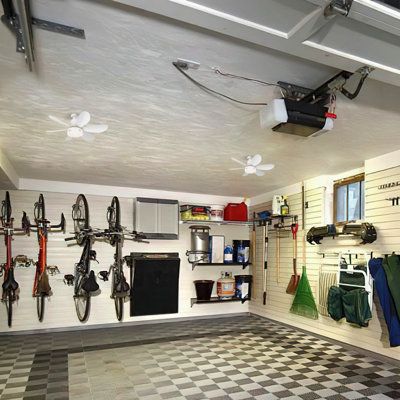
<point x="60" y="309"/>
<point x="387" y="221"/>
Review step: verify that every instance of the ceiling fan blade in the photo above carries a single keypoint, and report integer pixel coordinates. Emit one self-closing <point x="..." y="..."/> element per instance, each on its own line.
<point x="57" y="130"/>
<point x="234" y="169"/>
<point x="265" y="167"/>
<point x="99" y="128"/>
<point x="88" y="137"/>
<point x="260" y="173"/>
<point x="255" y="160"/>
<point x="82" y="119"/>
<point x="238" y="161"/>
<point x="58" y="120"/>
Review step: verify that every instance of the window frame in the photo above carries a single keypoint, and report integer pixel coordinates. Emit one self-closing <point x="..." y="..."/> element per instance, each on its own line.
<point x="345" y="182"/>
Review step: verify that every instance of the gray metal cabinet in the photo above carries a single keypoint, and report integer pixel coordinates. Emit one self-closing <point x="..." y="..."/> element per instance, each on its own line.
<point x="157" y="218"/>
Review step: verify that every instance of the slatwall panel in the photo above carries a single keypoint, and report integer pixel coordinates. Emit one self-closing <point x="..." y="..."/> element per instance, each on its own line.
<point x="379" y="212"/>
<point x="60" y="311"/>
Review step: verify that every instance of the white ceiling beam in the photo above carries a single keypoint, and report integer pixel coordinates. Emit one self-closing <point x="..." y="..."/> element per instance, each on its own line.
<point x="294" y="42"/>
<point x="8" y="170"/>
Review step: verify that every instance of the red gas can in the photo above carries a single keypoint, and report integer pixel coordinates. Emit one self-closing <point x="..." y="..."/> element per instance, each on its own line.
<point x="235" y="212"/>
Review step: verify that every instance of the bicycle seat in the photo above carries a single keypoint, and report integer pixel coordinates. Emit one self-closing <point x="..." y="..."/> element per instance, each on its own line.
<point x="10" y="283"/>
<point x="90" y="284"/>
<point x="43" y="285"/>
<point x="122" y="286"/>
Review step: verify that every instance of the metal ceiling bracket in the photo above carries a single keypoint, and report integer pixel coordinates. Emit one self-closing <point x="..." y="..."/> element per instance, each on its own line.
<point x="58" y="28"/>
<point x="294" y="92"/>
<point x="20" y="24"/>
<point x="338" y="7"/>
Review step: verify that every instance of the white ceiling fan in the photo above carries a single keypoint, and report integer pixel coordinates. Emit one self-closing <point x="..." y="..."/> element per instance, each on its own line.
<point x="253" y="165"/>
<point x="79" y="127"/>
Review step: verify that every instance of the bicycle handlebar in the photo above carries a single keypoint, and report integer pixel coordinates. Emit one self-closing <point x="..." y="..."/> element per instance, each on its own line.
<point x="70" y="238"/>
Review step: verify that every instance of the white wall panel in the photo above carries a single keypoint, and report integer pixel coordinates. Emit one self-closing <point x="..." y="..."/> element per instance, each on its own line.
<point x="387" y="220"/>
<point x="60" y="310"/>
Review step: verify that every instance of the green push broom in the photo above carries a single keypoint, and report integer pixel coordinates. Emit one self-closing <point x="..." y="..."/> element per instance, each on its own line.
<point x="303" y="302"/>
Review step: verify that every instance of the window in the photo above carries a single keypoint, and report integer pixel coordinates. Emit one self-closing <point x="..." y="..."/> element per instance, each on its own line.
<point x="348" y="203"/>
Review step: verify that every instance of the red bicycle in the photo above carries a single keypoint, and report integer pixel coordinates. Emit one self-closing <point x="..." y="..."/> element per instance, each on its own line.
<point x="10" y="285"/>
<point x="41" y="286"/>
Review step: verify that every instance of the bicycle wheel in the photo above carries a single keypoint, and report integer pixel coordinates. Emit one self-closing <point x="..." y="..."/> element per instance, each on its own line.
<point x="9" y="301"/>
<point x="40" y="306"/>
<point x="119" y="307"/>
<point x="6" y="209"/>
<point x="40" y="211"/>
<point x="80" y="215"/>
<point x="82" y="301"/>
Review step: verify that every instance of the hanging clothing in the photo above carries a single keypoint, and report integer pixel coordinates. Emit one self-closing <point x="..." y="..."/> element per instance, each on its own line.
<point x="326" y="280"/>
<point x="386" y="300"/>
<point x="352" y="304"/>
<point x="391" y="265"/>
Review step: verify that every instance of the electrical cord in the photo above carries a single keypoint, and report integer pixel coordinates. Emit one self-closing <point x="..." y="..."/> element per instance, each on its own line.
<point x="228" y="75"/>
<point x="207" y="89"/>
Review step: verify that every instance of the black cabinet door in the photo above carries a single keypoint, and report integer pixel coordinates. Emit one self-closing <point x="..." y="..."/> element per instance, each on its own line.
<point x="155" y="287"/>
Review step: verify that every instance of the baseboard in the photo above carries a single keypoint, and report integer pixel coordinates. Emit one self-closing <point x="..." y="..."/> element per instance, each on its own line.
<point x="120" y="325"/>
<point x="350" y="347"/>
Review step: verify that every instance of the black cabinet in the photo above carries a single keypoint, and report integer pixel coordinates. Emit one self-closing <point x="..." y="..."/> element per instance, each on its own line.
<point x="154" y="283"/>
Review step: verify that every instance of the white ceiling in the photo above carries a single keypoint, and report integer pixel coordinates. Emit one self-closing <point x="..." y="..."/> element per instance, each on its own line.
<point x="164" y="132"/>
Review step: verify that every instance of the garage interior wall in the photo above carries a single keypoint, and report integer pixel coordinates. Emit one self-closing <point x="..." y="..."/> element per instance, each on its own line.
<point x="60" y="310"/>
<point x="386" y="219"/>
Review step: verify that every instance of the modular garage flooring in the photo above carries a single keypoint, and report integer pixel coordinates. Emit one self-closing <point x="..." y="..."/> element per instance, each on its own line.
<point x="227" y="358"/>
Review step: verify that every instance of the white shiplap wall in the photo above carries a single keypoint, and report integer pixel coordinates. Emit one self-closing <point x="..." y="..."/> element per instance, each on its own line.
<point x="387" y="221"/>
<point x="60" y="310"/>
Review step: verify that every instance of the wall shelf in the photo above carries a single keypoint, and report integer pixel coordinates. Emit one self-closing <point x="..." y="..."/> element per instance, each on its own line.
<point x="244" y="265"/>
<point x="215" y="300"/>
<point x="209" y="222"/>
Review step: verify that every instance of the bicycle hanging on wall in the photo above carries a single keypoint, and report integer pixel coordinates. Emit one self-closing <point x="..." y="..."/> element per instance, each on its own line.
<point x="41" y="287"/>
<point x="115" y="235"/>
<point x="85" y="284"/>
<point x="10" y="285"/>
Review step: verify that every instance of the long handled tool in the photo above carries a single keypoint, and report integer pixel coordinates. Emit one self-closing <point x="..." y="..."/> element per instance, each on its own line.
<point x="265" y="262"/>
<point x="294" y="279"/>
<point x="278" y="254"/>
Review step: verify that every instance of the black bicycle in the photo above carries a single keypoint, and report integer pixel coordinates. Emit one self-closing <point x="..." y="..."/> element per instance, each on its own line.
<point x="116" y="235"/>
<point x="84" y="278"/>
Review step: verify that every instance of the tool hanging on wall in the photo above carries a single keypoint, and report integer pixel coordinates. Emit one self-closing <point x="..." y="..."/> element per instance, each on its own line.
<point x="278" y="254"/>
<point x="265" y="264"/>
<point x="294" y="279"/>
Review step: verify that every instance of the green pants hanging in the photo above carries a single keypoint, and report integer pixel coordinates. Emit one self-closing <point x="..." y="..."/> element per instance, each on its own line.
<point x="391" y="265"/>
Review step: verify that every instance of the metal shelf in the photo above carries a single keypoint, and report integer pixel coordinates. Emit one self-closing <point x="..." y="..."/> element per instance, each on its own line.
<point x="244" y="265"/>
<point x="215" y="300"/>
<point x="207" y="222"/>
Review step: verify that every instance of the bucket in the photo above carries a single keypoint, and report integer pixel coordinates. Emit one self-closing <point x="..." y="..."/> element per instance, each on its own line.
<point x="243" y="286"/>
<point x="217" y="213"/>
<point x="241" y="251"/>
<point x="203" y="289"/>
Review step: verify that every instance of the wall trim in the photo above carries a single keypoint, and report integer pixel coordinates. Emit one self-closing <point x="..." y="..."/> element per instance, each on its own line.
<point x="84" y="327"/>
<point x="121" y="191"/>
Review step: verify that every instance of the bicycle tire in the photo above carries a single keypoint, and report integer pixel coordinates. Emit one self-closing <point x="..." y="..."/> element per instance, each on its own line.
<point x="40" y="209"/>
<point x="80" y="215"/>
<point x="119" y="307"/>
<point x="40" y="302"/>
<point x="9" y="301"/>
<point x="114" y="219"/>
<point x="82" y="302"/>
<point x="6" y="209"/>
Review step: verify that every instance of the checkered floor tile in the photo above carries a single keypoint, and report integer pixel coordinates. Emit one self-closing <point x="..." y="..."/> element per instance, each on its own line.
<point x="227" y="358"/>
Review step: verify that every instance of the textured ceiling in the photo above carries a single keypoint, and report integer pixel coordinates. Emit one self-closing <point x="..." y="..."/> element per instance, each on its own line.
<point x="164" y="132"/>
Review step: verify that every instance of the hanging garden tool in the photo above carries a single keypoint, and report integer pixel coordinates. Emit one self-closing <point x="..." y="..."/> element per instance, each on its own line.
<point x="303" y="302"/>
<point x="294" y="279"/>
